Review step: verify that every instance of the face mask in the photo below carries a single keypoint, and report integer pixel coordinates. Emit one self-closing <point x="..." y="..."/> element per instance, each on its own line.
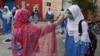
<point x="5" y="10"/>
<point x="70" y="17"/>
<point x="30" y="19"/>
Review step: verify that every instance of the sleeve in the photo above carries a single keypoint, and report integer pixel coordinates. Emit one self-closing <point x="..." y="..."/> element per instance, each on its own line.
<point x="48" y="28"/>
<point x="84" y="31"/>
<point x="65" y="14"/>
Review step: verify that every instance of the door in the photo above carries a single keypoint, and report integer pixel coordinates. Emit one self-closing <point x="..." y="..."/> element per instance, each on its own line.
<point x="10" y="3"/>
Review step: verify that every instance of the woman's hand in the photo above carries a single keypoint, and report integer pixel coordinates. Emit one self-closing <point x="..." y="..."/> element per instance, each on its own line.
<point x="60" y="19"/>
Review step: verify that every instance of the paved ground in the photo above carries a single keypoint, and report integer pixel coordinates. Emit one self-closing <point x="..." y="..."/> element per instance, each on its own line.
<point x="60" y="45"/>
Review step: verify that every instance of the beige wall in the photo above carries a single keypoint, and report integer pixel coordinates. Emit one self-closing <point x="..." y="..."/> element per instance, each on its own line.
<point x="56" y="6"/>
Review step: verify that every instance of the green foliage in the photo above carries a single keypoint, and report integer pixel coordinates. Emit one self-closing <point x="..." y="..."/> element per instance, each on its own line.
<point x="86" y="4"/>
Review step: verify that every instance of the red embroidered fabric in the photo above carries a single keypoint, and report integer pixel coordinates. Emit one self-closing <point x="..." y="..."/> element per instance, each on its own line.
<point x="32" y="40"/>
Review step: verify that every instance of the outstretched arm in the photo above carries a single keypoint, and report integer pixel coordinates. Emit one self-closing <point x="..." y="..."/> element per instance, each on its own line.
<point x="48" y="28"/>
<point x="60" y="19"/>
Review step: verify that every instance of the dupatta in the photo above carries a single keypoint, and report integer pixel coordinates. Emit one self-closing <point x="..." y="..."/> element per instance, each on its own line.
<point x="32" y="40"/>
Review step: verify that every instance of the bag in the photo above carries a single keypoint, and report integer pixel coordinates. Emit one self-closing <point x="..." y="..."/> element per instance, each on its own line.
<point x="52" y="16"/>
<point x="93" y="39"/>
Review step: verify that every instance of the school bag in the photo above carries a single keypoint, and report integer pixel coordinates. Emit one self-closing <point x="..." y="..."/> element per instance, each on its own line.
<point x="93" y="44"/>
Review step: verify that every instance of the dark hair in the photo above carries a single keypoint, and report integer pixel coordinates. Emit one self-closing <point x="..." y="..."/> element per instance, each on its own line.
<point x="49" y="8"/>
<point x="62" y="9"/>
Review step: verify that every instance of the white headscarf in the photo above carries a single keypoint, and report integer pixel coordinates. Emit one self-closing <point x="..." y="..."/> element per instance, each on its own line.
<point x="76" y="12"/>
<point x="49" y="12"/>
<point x="72" y="25"/>
<point x="7" y="15"/>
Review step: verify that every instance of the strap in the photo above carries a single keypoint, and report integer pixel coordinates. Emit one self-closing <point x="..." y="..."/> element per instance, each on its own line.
<point x="80" y="28"/>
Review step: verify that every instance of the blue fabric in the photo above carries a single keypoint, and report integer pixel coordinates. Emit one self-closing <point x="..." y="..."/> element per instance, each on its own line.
<point x="6" y="26"/>
<point x="74" y="49"/>
<point x="0" y="14"/>
<point x="48" y="17"/>
<point x="10" y="4"/>
<point x="84" y="48"/>
<point x="62" y="24"/>
<point x="35" y="16"/>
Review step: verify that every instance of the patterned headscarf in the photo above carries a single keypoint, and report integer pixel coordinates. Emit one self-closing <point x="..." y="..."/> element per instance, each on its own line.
<point x="32" y="40"/>
<point x="21" y="17"/>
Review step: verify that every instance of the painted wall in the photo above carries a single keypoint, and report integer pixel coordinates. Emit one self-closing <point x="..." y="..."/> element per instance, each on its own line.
<point x="29" y="5"/>
<point x="1" y="3"/>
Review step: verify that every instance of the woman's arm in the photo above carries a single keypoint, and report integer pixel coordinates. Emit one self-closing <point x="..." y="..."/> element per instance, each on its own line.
<point x="60" y="19"/>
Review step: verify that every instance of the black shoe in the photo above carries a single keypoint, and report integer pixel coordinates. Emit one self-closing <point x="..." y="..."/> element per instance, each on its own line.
<point x="62" y="32"/>
<point x="7" y="40"/>
<point x="9" y="48"/>
<point x="35" y="22"/>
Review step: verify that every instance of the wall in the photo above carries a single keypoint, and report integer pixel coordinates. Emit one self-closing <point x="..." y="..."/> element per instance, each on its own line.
<point x="1" y="3"/>
<point x="29" y="5"/>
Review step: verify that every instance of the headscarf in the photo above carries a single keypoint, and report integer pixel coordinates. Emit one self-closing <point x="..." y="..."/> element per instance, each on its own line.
<point x="21" y="18"/>
<point x="73" y="25"/>
<point x="76" y="12"/>
<point x="7" y="15"/>
<point x="32" y="40"/>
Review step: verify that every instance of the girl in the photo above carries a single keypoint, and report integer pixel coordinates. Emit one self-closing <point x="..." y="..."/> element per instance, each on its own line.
<point x="75" y="45"/>
<point x="7" y="23"/>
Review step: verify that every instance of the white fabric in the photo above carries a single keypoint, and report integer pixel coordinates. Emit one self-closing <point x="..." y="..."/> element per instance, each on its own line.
<point x="72" y="25"/>
<point x="64" y="13"/>
<point x="49" y="12"/>
<point x="9" y="36"/>
<point x="7" y="15"/>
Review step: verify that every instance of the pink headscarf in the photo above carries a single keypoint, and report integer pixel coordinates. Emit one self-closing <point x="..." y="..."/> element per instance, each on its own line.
<point x="31" y="40"/>
<point x="21" y="17"/>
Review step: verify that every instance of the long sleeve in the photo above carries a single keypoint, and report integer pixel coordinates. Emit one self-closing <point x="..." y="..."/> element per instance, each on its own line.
<point x="85" y="36"/>
<point x="48" y="28"/>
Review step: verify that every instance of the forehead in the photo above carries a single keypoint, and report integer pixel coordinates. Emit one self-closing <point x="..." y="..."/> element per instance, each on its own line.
<point x="69" y="12"/>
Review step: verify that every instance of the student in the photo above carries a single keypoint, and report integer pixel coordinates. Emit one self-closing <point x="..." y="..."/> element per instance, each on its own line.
<point x="32" y="40"/>
<point x="35" y="15"/>
<point x="75" y="45"/>
<point x="7" y="23"/>
<point x="49" y="15"/>
<point x="63" y="23"/>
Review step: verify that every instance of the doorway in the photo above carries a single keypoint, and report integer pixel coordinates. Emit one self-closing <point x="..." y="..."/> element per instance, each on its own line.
<point x="10" y="3"/>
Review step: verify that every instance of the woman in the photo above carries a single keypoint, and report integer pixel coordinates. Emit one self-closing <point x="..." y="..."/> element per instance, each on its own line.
<point x="75" y="45"/>
<point x="32" y="40"/>
<point x="7" y="23"/>
<point x="62" y="25"/>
